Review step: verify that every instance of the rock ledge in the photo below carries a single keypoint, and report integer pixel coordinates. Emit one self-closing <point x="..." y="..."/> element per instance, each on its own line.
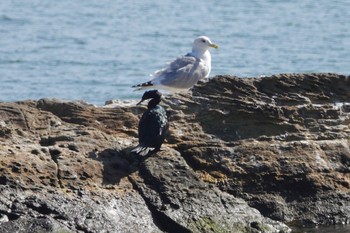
<point x="243" y="155"/>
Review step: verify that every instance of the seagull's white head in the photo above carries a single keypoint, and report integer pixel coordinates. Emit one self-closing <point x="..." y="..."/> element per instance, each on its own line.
<point x="203" y="43"/>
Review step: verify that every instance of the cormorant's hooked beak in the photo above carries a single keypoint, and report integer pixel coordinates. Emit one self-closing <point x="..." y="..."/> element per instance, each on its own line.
<point x="214" y="46"/>
<point x="139" y="102"/>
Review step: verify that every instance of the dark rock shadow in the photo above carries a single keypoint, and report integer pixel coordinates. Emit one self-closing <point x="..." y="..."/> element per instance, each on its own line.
<point x="117" y="163"/>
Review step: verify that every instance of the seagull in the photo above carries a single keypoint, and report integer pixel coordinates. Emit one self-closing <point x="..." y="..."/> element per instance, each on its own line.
<point x="153" y="125"/>
<point x="185" y="71"/>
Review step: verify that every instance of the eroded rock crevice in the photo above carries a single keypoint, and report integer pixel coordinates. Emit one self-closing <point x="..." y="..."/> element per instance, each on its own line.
<point x="161" y="220"/>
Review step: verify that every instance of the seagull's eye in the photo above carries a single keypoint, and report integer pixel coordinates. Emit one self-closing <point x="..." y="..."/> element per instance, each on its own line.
<point x="203" y="41"/>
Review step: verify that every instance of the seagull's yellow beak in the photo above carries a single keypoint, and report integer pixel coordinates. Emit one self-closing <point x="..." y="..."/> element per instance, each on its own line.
<point x="214" y="46"/>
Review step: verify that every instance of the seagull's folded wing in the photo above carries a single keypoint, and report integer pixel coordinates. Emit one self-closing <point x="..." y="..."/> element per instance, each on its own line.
<point x="183" y="73"/>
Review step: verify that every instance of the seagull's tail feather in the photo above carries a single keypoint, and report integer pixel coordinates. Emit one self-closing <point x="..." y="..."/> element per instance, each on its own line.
<point x="142" y="86"/>
<point x="143" y="150"/>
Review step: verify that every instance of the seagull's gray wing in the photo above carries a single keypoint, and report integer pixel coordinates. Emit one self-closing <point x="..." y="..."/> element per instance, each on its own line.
<point x="183" y="73"/>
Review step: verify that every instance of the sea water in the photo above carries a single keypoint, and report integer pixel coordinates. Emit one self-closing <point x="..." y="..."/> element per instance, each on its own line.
<point x="323" y="229"/>
<point x="96" y="50"/>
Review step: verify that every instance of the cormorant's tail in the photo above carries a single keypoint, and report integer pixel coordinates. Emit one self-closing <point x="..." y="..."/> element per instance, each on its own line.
<point x="141" y="86"/>
<point x="143" y="150"/>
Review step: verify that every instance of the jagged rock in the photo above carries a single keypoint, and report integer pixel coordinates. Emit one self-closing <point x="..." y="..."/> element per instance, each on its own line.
<point x="243" y="155"/>
<point x="177" y="196"/>
<point x="280" y="142"/>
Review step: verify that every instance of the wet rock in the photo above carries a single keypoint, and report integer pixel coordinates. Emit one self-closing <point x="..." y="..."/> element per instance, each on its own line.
<point x="243" y="155"/>
<point x="24" y="225"/>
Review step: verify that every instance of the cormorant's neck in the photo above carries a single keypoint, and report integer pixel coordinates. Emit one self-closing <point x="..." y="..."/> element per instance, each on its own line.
<point x="153" y="102"/>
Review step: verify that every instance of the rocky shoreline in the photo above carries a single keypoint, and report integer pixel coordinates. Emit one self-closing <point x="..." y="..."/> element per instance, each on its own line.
<point x="243" y="155"/>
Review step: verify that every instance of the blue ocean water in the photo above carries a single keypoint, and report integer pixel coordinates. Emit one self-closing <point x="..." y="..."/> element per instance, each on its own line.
<point x="95" y="50"/>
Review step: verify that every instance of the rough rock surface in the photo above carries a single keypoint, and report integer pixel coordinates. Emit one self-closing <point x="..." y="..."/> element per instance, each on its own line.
<point x="243" y="155"/>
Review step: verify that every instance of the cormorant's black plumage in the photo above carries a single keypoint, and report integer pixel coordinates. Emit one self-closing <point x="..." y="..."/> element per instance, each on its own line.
<point x="153" y="125"/>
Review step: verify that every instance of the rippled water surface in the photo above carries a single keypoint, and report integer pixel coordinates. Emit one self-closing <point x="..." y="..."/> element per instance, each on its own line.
<point x="323" y="229"/>
<point x="95" y="50"/>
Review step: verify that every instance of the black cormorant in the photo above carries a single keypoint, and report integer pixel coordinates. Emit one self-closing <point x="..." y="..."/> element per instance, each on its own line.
<point x="153" y="125"/>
